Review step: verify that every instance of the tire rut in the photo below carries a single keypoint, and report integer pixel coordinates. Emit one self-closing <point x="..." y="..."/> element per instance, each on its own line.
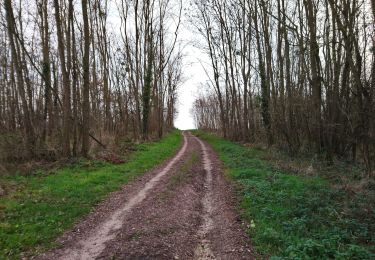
<point x="203" y="250"/>
<point x="221" y="233"/>
<point x="91" y="246"/>
<point x="164" y="225"/>
<point x="183" y="209"/>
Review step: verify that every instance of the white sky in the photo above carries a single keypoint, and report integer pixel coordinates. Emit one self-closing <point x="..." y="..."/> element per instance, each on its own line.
<point x="194" y="75"/>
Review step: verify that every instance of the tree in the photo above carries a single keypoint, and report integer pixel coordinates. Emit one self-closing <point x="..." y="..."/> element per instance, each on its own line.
<point x="86" y="82"/>
<point x="306" y="75"/>
<point x="65" y="81"/>
<point x="17" y="63"/>
<point x="56" y="79"/>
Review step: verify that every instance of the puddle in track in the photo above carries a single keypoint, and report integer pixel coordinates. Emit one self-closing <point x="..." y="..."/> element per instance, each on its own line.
<point x="92" y="246"/>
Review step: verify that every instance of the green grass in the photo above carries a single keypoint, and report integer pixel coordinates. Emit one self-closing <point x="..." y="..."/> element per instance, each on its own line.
<point x="184" y="173"/>
<point x="43" y="206"/>
<point x="181" y="177"/>
<point x="295" y="216"/>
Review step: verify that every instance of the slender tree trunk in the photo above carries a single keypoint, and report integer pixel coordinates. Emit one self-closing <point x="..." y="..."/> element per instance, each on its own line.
<point x="46" y="68"/>
<point x="315" y="74"/>
<point x="30" y="135"/>
<point x="86" y="82"/>
<point x="265" y="88"/>
<point x="66" y="128"/>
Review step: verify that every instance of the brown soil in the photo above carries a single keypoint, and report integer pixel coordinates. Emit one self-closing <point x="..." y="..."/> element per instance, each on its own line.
<point x="183" y="209"/>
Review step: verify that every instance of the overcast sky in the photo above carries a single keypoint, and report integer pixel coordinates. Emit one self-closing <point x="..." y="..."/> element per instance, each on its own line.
<point x="193" y="73"/>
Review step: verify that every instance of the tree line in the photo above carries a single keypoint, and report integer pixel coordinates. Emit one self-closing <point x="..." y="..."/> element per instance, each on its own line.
<point x="78" y="73"/>
<point x="298" y="74"/>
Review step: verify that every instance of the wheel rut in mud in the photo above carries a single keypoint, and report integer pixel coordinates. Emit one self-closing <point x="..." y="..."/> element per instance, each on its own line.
<point x="182" y="209"/>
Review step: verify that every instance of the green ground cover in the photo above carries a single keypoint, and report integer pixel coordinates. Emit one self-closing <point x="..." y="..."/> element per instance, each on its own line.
<point x="295" y="216"/>
<point x="43" y="205"/>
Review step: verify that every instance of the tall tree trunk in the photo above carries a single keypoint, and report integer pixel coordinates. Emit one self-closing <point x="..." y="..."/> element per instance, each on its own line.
<point x="46" y="69"/>
<point x="86" y="82"/>
<point x="315" y="73"/>
<point x="66" y="128"/>
<point x="16" y="60"/>
<point x="147" y="88"/>
<point x="265" y="88"/>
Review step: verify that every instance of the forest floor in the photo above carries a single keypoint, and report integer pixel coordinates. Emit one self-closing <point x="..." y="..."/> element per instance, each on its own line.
<point x="182" y="209"/>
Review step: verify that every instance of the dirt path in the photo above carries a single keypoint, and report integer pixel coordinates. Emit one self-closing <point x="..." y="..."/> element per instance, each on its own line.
<point x="183" y="209"/>
<point x="203" y="250"/>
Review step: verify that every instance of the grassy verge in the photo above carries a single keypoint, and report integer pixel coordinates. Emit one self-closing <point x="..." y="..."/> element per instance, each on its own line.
<point x="44" y="205"/>
<point x="295" y="216"/>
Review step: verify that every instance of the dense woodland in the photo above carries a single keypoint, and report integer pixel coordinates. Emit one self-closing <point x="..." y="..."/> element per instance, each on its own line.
<point x="296" y="74"/>
<point x="78" y="74"/>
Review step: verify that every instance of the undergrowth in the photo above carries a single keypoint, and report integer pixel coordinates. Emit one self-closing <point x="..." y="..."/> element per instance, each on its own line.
<point x="44" y="205"/>
<point x="296" y="216"/>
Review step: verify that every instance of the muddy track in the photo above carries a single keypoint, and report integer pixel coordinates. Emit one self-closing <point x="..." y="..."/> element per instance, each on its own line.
<point x="183" y="209"/>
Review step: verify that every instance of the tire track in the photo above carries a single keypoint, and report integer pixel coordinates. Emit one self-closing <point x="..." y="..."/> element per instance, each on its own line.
<point x="91" y="247"/>
<point x="203" y="250"/>
<point x="197" y="220"/>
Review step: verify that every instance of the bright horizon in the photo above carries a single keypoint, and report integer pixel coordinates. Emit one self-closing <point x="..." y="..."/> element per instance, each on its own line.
<point x="193" y="75"/>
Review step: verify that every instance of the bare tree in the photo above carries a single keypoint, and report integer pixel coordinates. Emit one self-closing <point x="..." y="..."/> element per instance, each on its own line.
<point x="75" y="67"/>
<point x="306" y="75"/>
<point x="86" y="82"/>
